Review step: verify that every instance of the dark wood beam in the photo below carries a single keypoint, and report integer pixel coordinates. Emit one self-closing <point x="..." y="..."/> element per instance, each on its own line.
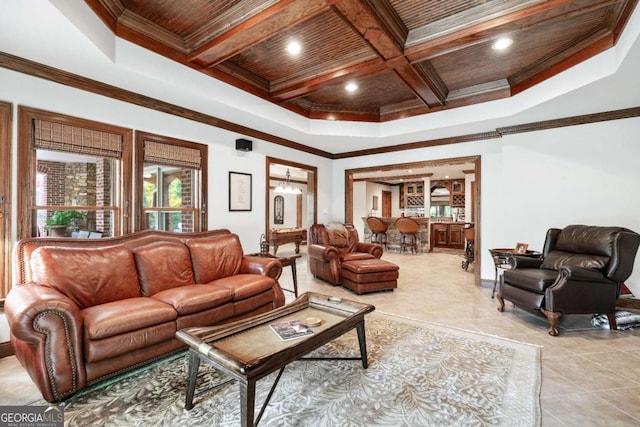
<point x="259" y="27"/>
<point x="462" y="29"/>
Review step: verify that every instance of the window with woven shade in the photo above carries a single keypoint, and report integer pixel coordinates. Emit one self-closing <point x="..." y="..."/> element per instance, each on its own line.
<point x="76" y="176"/>
<point x="171" y="195"/>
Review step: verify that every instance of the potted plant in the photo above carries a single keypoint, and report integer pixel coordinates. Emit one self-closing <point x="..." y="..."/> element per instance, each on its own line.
<point x="57" y="224"/>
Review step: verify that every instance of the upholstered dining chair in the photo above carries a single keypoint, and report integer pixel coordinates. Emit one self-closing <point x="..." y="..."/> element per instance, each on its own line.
<point x="581" y="272"/>
<point x="378" y="230"/>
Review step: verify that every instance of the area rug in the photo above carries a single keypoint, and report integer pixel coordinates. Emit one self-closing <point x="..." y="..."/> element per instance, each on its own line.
<point x="420" y="374"/>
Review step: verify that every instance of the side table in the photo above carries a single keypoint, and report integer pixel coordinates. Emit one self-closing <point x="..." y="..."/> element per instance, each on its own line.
<point x="285" y="261"/>
<point x="501" y="261"/>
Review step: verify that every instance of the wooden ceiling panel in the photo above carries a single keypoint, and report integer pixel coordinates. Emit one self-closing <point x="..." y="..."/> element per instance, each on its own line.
<point x="409" y="57"/>
<point x="374" y="92"/>
<point x="531" y="45"/>
<point x="417" y="13"/>
<point x="327" y="41"/>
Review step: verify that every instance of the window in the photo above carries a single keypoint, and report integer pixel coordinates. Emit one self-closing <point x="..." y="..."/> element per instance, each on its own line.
<point x="172" y="191"/>
<point x="74" y="176"/>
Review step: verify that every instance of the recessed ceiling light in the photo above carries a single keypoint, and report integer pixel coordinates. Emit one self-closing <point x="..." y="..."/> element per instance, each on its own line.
<point x="446" y="177"/>
<point x="351" y="87"/>
<point x="502" y="43"/>
<point x="409" y="171"/>
<point x="294" y="48"/>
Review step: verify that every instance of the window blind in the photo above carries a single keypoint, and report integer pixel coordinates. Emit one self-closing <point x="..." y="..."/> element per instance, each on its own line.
<point x="171" y="155"/>
<point x="55" y="136"/>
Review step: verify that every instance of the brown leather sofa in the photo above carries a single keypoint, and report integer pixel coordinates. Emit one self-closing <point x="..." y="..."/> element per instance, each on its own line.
<point x="330" y="246"/>
<point x="83" y="310"/>
<point x="580" y="273"/>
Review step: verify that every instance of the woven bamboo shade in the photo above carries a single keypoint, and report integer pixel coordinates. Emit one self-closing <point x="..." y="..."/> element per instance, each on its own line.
<point x="73" y="139"/>
<point x="171" y="155"/>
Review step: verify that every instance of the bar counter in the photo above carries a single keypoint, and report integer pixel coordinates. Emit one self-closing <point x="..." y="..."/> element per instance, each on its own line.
<point x="393" y="235"/>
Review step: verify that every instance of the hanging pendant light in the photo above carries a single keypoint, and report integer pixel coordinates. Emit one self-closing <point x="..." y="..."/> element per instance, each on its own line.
<point x="286" y="187"/>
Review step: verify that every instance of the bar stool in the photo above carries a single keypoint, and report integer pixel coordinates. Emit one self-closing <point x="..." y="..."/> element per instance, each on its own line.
<point x="378" y="230"/>
<point x="408" y="229"/>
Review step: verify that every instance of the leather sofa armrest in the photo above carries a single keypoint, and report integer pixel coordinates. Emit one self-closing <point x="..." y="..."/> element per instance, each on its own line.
<point x="323" y="253"/>
<point x="370" y="248"/>
<point x="260" y="265"/>
<point x="47" y="333"/>
<point x="524" y="262"/>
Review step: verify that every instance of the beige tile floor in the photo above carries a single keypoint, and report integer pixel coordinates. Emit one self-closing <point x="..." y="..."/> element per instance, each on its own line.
<point x="590" y="377"/>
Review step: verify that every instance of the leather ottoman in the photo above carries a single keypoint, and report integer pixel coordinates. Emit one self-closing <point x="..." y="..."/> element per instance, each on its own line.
<point x="369" y="275"/>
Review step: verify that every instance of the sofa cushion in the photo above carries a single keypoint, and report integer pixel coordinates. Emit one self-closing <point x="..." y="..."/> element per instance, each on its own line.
<point x="87" y="276"/>
<point x="532" y="279"/>
<point x="354" y="256"/>
<point x="118" y="317"/>
<point x="215" y="257"/>
<point x="195" y="298"/>
<point x="127" y="342"/>
<point x="558" y="259"/>
<point x="163" y="265"/>
<point x="244" y="285"/>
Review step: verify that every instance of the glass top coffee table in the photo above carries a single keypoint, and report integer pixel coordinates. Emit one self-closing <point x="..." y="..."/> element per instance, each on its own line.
<point x="250" y="349"/>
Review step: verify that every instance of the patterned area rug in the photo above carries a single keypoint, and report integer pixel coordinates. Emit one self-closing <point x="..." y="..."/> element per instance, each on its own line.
<point x="419" y="374"/>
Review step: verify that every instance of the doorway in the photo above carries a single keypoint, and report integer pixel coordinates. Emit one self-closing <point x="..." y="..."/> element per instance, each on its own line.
<point x="415" y="171"/>
<point x="291" y="209"/>
<point x="386" y="204"/>
<point x="5" y="200"/>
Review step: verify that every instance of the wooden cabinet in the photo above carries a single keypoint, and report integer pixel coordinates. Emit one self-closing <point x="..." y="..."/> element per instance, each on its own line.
<point x="413" y="195"/>
<point x="447" y="235"/>
<point x="457" y="194"/>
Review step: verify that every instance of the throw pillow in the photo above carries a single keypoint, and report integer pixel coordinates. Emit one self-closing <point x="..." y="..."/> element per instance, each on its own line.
<point x="338" y="235"/>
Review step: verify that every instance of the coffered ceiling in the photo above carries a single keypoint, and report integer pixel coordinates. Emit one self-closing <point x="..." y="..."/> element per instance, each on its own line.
<point x="407" y="57"/>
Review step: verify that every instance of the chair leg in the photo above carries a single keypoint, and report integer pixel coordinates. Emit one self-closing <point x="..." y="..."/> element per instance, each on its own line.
<point x="501" y="302"/>
<point x="553" y="317"/>
<point x="612" y="321"/>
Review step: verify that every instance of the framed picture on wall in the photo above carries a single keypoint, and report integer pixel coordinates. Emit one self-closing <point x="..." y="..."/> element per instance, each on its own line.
<point x="239" y="191"/>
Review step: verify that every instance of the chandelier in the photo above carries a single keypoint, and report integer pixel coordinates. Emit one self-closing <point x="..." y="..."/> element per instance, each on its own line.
<point x="286" y="187"/>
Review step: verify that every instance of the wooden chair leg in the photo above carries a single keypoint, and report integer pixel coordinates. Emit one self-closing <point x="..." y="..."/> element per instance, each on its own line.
<point x="500" y="301"/>
<point x="612" y="321"/>
<point x="553" y="317"/>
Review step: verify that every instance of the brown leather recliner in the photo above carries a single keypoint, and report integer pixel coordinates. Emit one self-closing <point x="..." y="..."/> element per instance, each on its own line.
<point x="580" y="273"/>
<point x="330" y="246"/>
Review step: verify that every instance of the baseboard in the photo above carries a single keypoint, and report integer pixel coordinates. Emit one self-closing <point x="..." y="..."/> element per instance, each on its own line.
<point x="5" y="349"/>
<point x="631" y="303"/>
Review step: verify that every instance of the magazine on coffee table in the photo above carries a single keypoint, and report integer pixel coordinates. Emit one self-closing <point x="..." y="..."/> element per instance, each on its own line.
<point x="290" y="329"/>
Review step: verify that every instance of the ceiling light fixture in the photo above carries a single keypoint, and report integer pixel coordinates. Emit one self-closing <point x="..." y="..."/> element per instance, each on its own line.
<point x="287" y="188"/>
<point x="351" y="87"/>
<point x="502" y="43"/>
<point x="294" y="48"/>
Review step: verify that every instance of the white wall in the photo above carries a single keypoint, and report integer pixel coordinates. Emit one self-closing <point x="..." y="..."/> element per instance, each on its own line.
<point x="532" y="181"/>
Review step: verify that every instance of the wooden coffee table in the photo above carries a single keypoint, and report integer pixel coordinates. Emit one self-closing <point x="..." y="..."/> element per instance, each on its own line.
<point x="249" y="350"/>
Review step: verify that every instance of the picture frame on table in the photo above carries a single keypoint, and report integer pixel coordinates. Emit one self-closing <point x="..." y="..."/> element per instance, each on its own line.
<point x="239" y="191"/>
<point x="521" y="248"/>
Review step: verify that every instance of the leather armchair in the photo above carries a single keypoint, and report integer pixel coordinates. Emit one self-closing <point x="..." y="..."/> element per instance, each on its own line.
<point x="330" y="246"/>
<point x="580" y="273"/>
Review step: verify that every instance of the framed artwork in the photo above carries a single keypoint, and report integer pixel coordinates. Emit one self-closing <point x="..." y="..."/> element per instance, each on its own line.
<point x="375" y="203"/>
<point x="521" y="248"/>
<point x="239" y="191"/>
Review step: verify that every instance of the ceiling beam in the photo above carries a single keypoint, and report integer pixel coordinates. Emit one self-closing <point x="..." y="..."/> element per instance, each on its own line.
<point x="462" y="29"/>
<point x="257" y="28"/>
